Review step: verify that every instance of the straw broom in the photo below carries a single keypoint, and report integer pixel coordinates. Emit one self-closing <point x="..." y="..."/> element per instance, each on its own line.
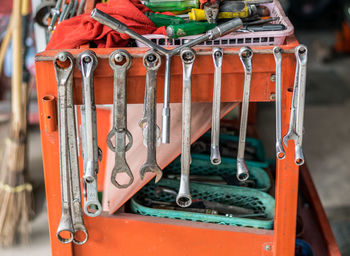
<point x="15" y="193"/>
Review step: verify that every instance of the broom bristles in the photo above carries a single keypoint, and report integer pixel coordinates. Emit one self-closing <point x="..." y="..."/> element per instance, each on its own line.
<point x="15" y="195"/>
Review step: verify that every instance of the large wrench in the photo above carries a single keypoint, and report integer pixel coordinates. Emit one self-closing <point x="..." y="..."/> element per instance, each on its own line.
<point x="63" y="75"/>
<point x="245" y="55"/>
<point x="184" y="198"/>
<point x="87" y="63"/>
<point x="277" y="53"/>
<point x="296" y="123"/>
<point x="215" y="157"/>
<point x="80" y="232"/>
<point x="152" y="62"/>
<point x="212" y="34"/>
<point x="120" y="61"/>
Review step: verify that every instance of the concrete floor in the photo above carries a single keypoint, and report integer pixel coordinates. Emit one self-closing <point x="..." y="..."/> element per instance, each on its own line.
<point x="326" y="140"/>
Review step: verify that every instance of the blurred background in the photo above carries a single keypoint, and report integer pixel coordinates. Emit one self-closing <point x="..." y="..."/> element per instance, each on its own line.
<point x="322" y="25"/>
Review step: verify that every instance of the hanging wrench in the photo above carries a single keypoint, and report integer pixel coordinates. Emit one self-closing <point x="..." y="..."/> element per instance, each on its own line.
<point x="245" y="55"/>
<point x="87" y="63"/>
<point x="120" y="61"/>
<point x="152" y="62"/>
<point x="296" y="124"/>
<point x="215" y="157"/>
<point x="277" y="53"/>
<point x="77" y="213"/>
<point x="63" y="75"/>
<point x="184" y="198"/>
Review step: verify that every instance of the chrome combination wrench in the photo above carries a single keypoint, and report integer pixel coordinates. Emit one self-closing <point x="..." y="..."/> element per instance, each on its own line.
<point x="152" y="62"/>
<point x="63" y="77"/>
<point x="246" y="55"/>
<point x="184" y="198"/>
<point x="120" y="61"/>
<point x="212" y="34"/>
<point x="215" y="157"/>
<point x="277" y="53"/>
<point x="296" y="123"/>
<point x="87" y="63"/>
<point x="70" y="180"/>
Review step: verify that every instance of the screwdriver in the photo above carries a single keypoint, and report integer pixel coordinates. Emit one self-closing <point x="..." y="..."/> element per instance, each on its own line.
<point x="188" y="29"/>
<point x="164" y="20"/>
<point x="171" y="5"/>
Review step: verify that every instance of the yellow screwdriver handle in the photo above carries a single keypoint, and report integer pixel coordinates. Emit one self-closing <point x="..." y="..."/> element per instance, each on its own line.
<point x="199" y="14"/>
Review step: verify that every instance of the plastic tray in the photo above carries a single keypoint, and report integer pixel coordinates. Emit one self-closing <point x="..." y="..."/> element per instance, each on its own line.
<point x="201" y="166"/>
<point x="259" y="201"/>
<point x="238" y="38"/>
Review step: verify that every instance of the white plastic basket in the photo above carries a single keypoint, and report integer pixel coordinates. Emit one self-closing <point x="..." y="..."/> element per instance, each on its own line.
<point x="238" y="38"/>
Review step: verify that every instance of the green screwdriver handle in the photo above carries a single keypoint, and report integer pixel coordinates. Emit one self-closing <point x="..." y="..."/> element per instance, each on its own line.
<point x="161" y="20"/>
<point x="188" y="29"/>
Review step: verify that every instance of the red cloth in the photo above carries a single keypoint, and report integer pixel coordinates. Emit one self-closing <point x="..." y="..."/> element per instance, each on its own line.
<point x="82" y="29"/>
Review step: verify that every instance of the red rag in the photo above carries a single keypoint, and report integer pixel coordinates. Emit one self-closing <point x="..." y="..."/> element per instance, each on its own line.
<point x="82" y="29"/>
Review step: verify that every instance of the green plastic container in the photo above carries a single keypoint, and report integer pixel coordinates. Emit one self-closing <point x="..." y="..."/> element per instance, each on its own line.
<point x="259" y="201"/>
<point x="201" y="165"/>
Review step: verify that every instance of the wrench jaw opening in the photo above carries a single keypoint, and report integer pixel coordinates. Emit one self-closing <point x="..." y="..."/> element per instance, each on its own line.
<point x="280" y="153"/>
<point x="151" y="167"/>
<point x="80" y="234"/>
<point x="242" y="170"/>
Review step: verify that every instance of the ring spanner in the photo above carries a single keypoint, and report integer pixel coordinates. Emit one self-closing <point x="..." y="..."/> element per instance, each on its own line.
<point x="277" y="53"/>
<point x="87" y="63"/>
<point x="184" y="198"/>
<point x="246" y="55"/>
<point x="215" y="157"/>
<point x="296" y="123"/>
<point x="120" y="61"/>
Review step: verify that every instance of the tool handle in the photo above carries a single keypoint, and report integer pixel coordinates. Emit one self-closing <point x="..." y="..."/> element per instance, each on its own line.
<point x="109" y="21"/>
<point x="164" y="20"/>
<point x="188" y="29"/>
<point x="225" y="28"/>
<point x="162" y="6"/>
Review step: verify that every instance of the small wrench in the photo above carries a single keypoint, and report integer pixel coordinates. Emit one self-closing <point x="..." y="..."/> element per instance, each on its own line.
<point x="87" y="63"/>
<point x="215" y="157"/>
<point x="76" y="206"/>
<point x="245" y="55"/>
<point x="184" y="198"/>
<point x="63" y="75"/>
<point x="152" y="62"/>
<point x="55" y="13"/>
<point x="277" y="53"/>
<point x="120" y="61"/>
<point x="296" y="123"/>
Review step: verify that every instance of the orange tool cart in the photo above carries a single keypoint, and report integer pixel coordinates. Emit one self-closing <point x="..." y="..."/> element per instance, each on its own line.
<point x="125" y="233"/>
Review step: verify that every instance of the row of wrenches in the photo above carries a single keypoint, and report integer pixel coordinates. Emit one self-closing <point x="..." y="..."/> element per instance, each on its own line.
<point x="120" y="61"/>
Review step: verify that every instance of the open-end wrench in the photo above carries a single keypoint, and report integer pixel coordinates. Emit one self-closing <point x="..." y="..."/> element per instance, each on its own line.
<point x="63" y="75"/>
<point x="87" y="63"/>
<point x="152" y="62"/>
<point x="296" y="124"/>
<point x="184" y="198"/>
<point x="246" y="55"/>
<point x="215" y="157"/>
<point x="120" y="61"/>
<point x="80" y="232"/>
<point x="212" y="34"/>
<point x="277" y="53"/>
